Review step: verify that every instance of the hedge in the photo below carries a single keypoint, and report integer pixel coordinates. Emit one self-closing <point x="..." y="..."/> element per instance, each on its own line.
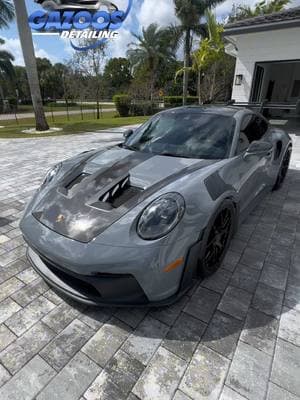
<point x="176" y="101"/>
<point x="142" y="108"/>
<point x="122" y="103"/>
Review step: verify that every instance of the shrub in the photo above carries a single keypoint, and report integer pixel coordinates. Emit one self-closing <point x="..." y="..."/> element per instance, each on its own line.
<point x="26" y="102"/>
<point x="142" y="108"/>
<point x="176" y="101"/>
<point x="122" y="103"/>
<point x="12" y="101"/>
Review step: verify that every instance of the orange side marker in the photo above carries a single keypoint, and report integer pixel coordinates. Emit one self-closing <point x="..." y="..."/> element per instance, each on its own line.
<point x="174" y="265"/>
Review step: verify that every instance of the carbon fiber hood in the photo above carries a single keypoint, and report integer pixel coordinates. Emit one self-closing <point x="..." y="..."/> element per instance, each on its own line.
<point x="90" y="197"/>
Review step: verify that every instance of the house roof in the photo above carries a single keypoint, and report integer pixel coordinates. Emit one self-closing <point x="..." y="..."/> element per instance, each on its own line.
<point x="278" y="20"/>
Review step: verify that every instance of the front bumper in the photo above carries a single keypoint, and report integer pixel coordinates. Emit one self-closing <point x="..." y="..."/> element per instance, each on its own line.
<point x="99" y="274"/>
<point x="103" y="289"/>
<point x="94" y="290"/>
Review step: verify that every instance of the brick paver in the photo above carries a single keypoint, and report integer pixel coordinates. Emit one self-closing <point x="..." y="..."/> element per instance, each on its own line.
<point x="234" y="336"/>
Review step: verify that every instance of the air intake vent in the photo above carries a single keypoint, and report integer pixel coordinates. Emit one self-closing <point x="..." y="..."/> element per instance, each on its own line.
<point x="76" y="181"/>
<point x="120" y="193"/>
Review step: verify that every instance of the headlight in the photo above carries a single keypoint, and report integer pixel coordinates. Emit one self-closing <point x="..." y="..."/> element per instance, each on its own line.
<point x="161" y="216"/>
<point x="51" y="174"/>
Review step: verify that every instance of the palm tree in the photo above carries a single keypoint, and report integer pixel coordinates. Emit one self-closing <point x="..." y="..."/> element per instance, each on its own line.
<point x="6" y="68"/>
<point x="6" y="58"/>
<point x="260" y="8"/>
<point x="153" y="46"/>
<point x="189" y="12"/>
<point x="211" y="50"/>
<point x="6" y="13"/>
<point x="30" y="63"/>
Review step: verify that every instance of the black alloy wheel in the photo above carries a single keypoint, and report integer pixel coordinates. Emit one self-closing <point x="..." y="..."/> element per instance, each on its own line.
<point x="217" y="242"/>
<point x="283" y="169"/>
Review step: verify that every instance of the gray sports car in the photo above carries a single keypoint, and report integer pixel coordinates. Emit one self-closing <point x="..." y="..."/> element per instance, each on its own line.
<point x="135" y="223"/>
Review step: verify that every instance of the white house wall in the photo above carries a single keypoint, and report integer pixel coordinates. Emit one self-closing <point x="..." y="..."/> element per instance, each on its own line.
<point x="277" y="45"/>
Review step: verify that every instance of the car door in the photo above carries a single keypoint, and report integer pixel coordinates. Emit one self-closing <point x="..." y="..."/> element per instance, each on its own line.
<point x="246" y="171"/>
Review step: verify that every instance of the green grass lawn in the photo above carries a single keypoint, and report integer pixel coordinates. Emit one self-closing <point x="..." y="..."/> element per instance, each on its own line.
<point x="74" y="126"/>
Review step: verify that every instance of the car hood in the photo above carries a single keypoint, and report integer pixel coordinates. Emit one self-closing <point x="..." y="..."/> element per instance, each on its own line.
<point x="98" y="191"/>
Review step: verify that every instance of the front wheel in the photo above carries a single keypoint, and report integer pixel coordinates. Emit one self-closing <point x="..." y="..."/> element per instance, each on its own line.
<point x="283" y="169"/>
<point x="217" y="240"/>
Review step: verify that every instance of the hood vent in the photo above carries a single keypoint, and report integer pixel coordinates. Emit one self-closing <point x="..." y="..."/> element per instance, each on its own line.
<point x="120" y="193"/>
<point x="76" y="181"/>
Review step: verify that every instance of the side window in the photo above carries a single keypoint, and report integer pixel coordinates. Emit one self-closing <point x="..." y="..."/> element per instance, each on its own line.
<point x="263" y="126"/>
<point x="253" y="128"/>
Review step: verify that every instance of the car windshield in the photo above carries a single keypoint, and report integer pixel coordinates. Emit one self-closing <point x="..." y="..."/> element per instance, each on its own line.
<point x="185" y="134"/>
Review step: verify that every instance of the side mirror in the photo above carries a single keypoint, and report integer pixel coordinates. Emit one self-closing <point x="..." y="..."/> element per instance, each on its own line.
<point x="258" y="148"/>
<point x="128" y="133"/>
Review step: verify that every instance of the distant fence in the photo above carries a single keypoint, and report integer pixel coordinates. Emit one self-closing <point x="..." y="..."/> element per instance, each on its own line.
<point x="57" y="110"/>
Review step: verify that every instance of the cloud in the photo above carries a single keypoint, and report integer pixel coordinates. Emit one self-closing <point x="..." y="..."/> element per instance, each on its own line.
<point x="13" y="45"/>
<point x="161" y="12"/>
<point x="119" y="46"/>
<point x="142" y="14"/>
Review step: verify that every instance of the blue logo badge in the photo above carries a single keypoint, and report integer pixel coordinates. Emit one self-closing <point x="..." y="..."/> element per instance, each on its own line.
<point x="81" y="19"/>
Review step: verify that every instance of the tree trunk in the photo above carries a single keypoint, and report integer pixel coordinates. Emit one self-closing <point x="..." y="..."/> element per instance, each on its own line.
<point x="30" y="63"/>
<point x="152" y="86"/>
<point x="199" y="86"/>
<point x="187" y="50"/>
<point x="212" y="87"/>
<point x="2" y="97"/>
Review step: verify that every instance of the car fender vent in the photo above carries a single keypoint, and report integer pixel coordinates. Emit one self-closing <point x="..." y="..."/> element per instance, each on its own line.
<point x="120" y="193"/>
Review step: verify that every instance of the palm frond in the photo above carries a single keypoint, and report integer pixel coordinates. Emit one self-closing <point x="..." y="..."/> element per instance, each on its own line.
<point x="7" y="13"/>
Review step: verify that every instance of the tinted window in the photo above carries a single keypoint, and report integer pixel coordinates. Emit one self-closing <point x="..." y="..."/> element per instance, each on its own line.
<point x="190" y="134"/>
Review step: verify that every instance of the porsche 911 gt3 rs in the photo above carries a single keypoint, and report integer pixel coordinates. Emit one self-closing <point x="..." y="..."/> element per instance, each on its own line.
<point x="135" y="223"/>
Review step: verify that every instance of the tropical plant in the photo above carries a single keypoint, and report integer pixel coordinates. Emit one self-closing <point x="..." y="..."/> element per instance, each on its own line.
<point x="30" y="63"/>
<point x="7" y="13"/>
<point x="212" y="66"/>
<point x="7" y="71"/>
<point x="6" y="67"/>
<point x="153" y="46"/>
<point x="189" y="12"/>
<point x="263" y="7"/>
<point x="211" y="50"/>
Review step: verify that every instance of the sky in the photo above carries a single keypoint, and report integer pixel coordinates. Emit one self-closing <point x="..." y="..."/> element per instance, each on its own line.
<point x="143" y="13"/>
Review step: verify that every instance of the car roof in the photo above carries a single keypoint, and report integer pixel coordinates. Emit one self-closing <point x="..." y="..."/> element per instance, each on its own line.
<point x="209" y="109"/>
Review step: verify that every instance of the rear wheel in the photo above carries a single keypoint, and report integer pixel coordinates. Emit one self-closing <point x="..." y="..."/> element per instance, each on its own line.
<point x="283" y="169"/>
<point x="217" y="240"/>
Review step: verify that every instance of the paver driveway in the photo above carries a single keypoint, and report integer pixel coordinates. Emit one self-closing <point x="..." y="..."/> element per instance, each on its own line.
<point x="235" y="336"/>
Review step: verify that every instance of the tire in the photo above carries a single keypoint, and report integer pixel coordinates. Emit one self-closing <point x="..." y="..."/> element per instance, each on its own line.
<point x="284" y="166"/>
<point x="217" y="239"/>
